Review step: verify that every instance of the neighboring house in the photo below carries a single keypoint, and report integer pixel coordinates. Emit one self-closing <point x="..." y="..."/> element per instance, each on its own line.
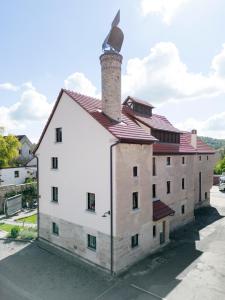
<point x="16" y="175"/>
<point x="25" y="153"/>
<point x="115" y="180"/>
<point x="32" y="162"/>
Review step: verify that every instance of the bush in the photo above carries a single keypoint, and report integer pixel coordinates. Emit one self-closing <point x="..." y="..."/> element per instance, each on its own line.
<point x="28" y="234"/>
<point x="14" y="232"/>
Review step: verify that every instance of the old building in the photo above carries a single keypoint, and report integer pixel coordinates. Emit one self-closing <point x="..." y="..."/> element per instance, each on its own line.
<point x="115" y="179"/>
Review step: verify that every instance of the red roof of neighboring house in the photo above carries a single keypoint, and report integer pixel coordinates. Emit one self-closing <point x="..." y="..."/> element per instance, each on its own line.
<point x="126" y="131"/>
<point x="161" y="210"/>
<point x="155" y="121"/>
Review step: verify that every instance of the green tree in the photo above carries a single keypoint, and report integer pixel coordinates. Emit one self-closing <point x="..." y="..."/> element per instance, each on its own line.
<point x="220" y="166"/>
<point x="9" y="150"/>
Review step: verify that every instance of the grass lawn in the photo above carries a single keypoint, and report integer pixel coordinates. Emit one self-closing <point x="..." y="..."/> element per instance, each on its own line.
<point x="24" y="232"/>
<point x="31" y="219"/>
<point x="6" y="227"/>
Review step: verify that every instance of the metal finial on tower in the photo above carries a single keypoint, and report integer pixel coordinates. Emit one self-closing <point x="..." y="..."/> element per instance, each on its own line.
<point x="114" y="40"/>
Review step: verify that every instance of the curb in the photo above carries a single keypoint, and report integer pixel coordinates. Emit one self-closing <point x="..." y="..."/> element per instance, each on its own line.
<point x="17" y="240"/>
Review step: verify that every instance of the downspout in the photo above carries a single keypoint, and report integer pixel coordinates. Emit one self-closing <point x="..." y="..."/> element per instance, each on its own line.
<point x="38" y="218"/>
<point x="111" y="209"/>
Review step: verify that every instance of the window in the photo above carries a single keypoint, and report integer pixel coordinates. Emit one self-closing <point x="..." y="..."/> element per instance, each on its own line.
<point x="55" y="228"/>
<point x="168" y="161"/>
<point x="16" y="174"/>
<point x="91" y="242"/>
<point x="200" y="158"/>
<point x="168" y="187"/>
<point x="58" y="135"/>
<point x="153" y="190"/>
<point x="54" y="194"/>
<point x="135" y="200"/>
<point x="135" y="171"/>
<point x="183" y="209"/>
<point x="182" y="183"/>
<point x="134" y="241"/>
<point x="153" y="166"/>
<point x="206" y="195"/>
<point x="154" y="230"/>
<point x="207" y="157"/>
<point x="54" y="162"/>
<point x="183" y="160"/>
<point x="91" y="201"/>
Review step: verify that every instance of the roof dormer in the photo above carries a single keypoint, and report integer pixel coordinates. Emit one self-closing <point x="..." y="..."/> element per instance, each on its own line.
<point x="139" y="106"/>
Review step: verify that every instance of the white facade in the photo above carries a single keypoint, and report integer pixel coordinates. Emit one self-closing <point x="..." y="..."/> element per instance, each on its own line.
<point x="81" y="146"/>
<point x="16" y="175"/>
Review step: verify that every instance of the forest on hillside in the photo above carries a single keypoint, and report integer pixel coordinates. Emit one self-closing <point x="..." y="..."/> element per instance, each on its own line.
<point x="215" y="143"/>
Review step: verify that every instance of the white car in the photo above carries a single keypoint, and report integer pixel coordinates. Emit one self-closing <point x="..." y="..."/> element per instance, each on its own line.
<point x="222" y="183"/>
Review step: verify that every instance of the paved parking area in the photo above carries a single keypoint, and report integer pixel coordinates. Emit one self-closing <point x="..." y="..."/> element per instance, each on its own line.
<point x="191" y="267"/>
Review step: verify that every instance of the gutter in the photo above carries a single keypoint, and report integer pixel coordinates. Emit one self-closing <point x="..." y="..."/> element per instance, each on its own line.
<point x="111" y="209"/>
<point x="38" y="196"/>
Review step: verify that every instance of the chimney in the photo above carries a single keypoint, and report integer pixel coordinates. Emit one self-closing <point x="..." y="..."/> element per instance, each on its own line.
<point x="111" y="84"/>
<point x="194" y="138"/>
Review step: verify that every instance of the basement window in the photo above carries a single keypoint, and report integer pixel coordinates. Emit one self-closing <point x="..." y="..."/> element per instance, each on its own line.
<point x="55" y="228"/>
<point x="91" y="202"/>
<point x="91" y="240"/>
<point x="135" y="200"/>
<point x="16" y="174"/>
<point x="134" y="241"/>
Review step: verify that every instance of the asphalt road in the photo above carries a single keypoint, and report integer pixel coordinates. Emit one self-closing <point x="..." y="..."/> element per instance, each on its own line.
<point x="192" y="267"/>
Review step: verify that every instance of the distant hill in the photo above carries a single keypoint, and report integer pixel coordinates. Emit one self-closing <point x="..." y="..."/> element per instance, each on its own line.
<point x="215" y="143"/>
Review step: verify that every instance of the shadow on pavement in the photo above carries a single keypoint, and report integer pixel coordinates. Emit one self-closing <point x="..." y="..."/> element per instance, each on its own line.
<point x="162" y="272"/>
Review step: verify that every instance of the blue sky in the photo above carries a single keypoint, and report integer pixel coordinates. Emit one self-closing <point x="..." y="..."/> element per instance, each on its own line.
<point x="173" y="57"/>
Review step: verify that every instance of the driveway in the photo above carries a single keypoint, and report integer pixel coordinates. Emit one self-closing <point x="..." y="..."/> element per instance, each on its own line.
<point x="191" y="267"/>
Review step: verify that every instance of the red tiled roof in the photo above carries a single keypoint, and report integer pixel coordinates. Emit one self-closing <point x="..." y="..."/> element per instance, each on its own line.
<point x="201" y="146"/>
<point x="161" y="210"/>
<point x="127" y="130"/>
<point x="136" y="100"/>
<point x="184" y="147"/>
<point x="155" y="121"/>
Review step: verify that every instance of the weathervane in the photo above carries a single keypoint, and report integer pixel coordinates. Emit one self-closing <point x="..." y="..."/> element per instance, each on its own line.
<point x="114" y="40"/>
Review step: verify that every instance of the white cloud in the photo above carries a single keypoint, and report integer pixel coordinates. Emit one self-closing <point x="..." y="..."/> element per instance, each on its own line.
<point x="32" y="107"/>
<point x="214" y="126"/>
<point x="9" y="87"/>
<point x="162" y="76"/>
<point x="81" y="84"/>
<point x="167" y="9"/>
<point x="218" y="63"/>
